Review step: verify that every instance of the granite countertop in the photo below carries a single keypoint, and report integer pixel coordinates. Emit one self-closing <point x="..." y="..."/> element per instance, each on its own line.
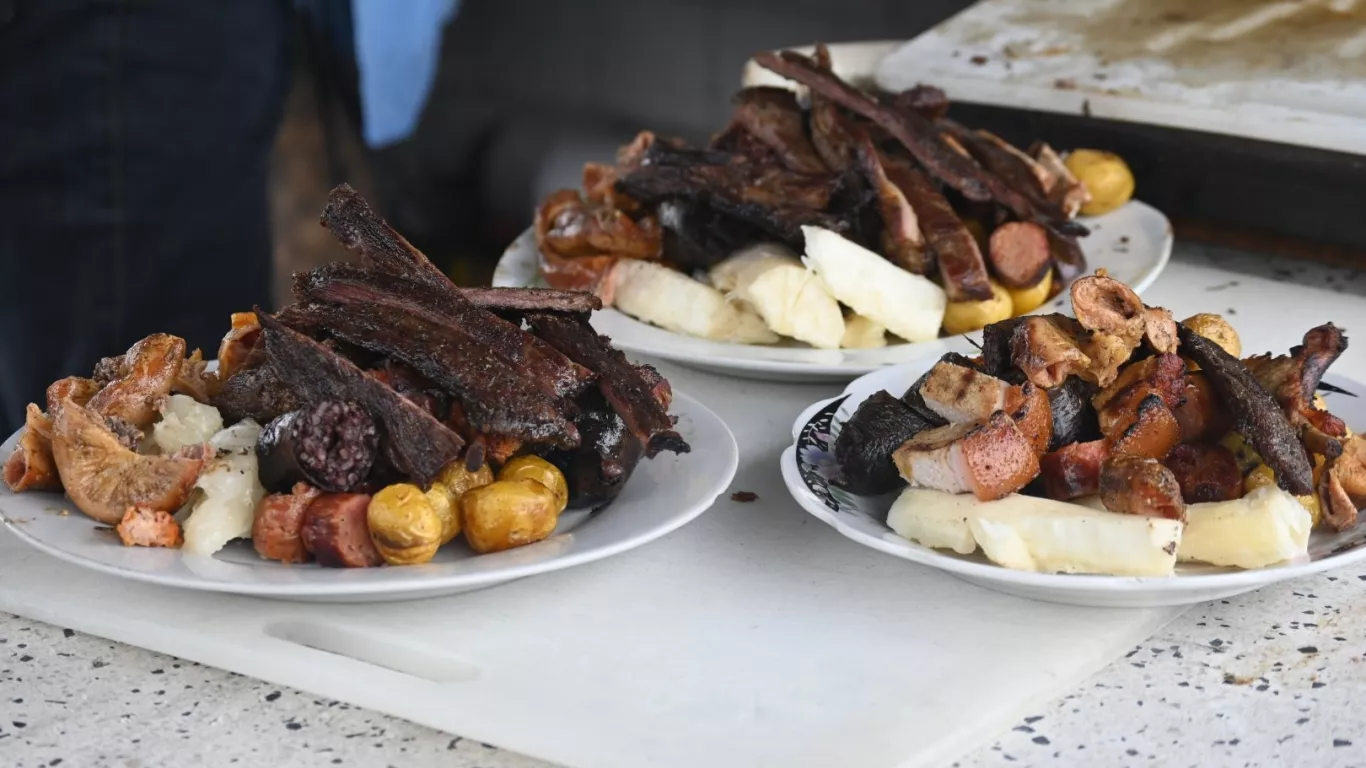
<point x="1273" y="678"/>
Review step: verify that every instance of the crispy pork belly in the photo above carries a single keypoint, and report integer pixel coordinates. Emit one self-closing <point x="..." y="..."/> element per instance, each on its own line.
<point x="144" y="527"/>
<point x="1045" y="352"/>
<point x="1117" y="405"/>
<point x="1133" y="485"/>
<point x="74" y="388"/>
<point x="989" y="460"/>
<point x="150" y="369"/>
<point x="1032" y="411"/>
<point x="1153" y="433"/>
<point x="31" y="466"/>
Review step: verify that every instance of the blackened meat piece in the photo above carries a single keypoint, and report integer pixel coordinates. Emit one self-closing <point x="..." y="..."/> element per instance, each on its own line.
<point x="866" y="442"/>
<point x="483" y="335"/>
<point x="913" y="131"/>
<point x="630" y="394"/>
<point x="348" y="217"/>
<point x="515" y="301"/>
<point x="330" y="445"/>
<point x="1074" y="418"/>
<point x="598" y="470"/>
<point x="1013" y="169"/>
<point x="418" y="444"/>
<point x="499" y="398"/>
<point x="1255" y="413"/>
<point x="696" y="236"/>
<point x="996" y="355"/>
<point x="772" y="199"/>
<point x="831" y="130"/>
<point x="772" y="116"/>
<point x="255" y="393"/>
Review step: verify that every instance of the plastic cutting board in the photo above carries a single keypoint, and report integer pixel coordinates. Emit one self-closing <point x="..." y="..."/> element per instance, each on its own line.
<point x="755" y="636"/>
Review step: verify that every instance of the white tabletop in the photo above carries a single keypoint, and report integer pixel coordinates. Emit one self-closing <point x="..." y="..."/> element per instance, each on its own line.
<point x="1266" y="679"/>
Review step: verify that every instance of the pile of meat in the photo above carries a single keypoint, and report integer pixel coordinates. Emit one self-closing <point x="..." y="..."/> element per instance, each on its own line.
<point x="890" y="172"/>
<point x="1122" y="402"/>
<point x="383" y="371"/>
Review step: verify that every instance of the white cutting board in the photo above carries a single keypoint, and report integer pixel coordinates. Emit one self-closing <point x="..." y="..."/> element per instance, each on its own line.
<point x="755" y="636"/>
<point x="1289" y="71"/>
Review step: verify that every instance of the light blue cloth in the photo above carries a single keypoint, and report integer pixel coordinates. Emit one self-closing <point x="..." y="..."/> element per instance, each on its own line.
<point x="398" y="45"/>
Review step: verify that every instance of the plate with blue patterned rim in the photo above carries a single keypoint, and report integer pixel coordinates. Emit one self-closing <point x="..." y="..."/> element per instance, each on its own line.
<point x="809" y="467"/>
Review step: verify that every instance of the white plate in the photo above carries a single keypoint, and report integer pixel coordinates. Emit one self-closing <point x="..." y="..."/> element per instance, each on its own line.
<point x="1133" y="243"/>
<point x="663" y="494"/>
<point x="809" y="463"/>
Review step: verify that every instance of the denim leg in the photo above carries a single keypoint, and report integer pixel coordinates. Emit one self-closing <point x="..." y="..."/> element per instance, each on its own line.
<point x="134" y="142"/>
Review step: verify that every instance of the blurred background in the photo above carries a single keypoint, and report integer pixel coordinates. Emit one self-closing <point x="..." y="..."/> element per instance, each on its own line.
<point x="525" y="92"/>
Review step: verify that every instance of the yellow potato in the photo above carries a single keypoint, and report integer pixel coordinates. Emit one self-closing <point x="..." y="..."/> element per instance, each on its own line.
<point x="458" y="479"/>
<point x="1024" y="300"/>
<point x="965" y="316"/>
<point x="543" y="472"/>
<point x="1106" y="176"/>
<point x="445" y="502"/>
<point x="403" y="525"/>
<point x="1216" y="329"/>
<point x="1263" y="475"/>
<point x="507" y="514"/>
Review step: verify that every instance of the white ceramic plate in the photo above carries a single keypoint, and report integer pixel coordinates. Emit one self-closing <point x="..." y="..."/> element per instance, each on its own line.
<point x="809" y="463"/>
<point x="663" y="494"/>
<point x="1133" y="243"/>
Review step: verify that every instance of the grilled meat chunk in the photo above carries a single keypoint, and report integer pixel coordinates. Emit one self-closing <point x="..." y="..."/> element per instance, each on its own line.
<point x="867" y="440"/>
<point x="772" y="115"/>
<point x="902" y="241"/>
<point x="630" y="394"/>
<point x="412" y="438"/>
<point x="989" y="459"/>
<point x="1132" y="485"/>
<point x="1255" y="413"/>
<point x="1206" y="472"/>
<point x="1073" y="470"/>
<point x="955" y="249"/>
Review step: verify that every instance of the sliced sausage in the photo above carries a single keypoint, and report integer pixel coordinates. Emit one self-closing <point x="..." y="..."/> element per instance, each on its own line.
<point x="1201" y="414"/>
<point x="277" y="529"/>
<point x="1073" y="470"/>
<point x="1152" y="435"/>
<point x="1019" y="253"/>
<point x="1206" y="472"/>
<point x="1133" y="485"/>
<point x="336" y="532"/>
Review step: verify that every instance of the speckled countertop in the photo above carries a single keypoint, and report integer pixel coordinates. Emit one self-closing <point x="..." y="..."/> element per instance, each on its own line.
<point x="1275" y="678"/>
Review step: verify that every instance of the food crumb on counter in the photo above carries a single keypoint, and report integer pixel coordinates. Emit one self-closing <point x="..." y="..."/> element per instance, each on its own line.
<point x="744" y="497"/>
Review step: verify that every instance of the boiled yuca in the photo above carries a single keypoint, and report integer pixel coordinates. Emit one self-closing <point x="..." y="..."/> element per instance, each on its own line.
<point x="675" y="302"/>
<point x="862" y="333"/>
<point x="772" y="281"/>
<point x="1032" y="534"/>
<point x="1264" y="527"/>
<point x="911" y="306"/>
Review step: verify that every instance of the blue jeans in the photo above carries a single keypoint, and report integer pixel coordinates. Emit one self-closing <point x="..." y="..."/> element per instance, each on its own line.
<point x="134" y="142"/>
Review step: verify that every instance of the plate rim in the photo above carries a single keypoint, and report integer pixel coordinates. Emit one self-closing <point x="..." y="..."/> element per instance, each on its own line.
<point x="1060" y="583"/>
<point x="418" y="583"/>
<point x="723" y="356"/>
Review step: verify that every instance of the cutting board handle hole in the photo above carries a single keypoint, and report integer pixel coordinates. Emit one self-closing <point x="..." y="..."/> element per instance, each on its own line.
<point x="403" y="658"/>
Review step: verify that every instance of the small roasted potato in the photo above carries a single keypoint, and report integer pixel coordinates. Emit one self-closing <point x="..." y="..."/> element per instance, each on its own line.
<point x="404" y="526"/>
<point x="543" y="472"/>
<point x="966" y="316"/>
<point x="1216" y="329"/>
<point x="507" y="514"/>
<point x="458" y="479"/>
<point x="447" y="507"/>
<point x="1106" y="177"/>
<point x="1024" y="300"/>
